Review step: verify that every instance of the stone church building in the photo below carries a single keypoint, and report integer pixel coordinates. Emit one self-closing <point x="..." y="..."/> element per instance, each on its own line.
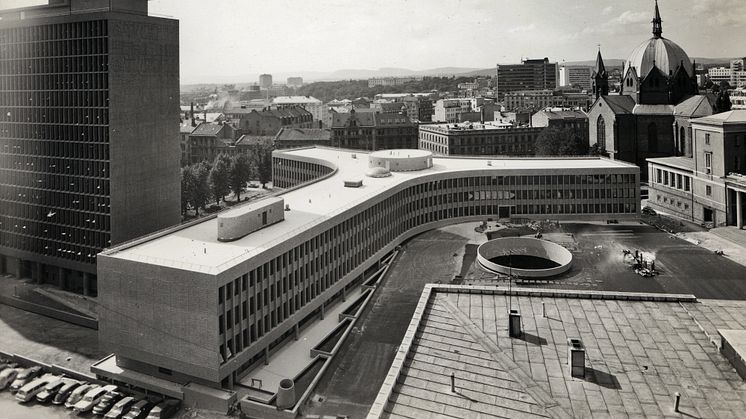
<point x="650" y="115"/>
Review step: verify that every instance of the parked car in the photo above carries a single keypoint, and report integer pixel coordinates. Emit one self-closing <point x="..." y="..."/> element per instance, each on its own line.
<point x="7" y="376"/>
<point x="24" y="377"/>
<point x="31" y="389"/>
<point x="6" y="364"/>
<point x="107" y="402"/>
<point x="92" y="398"/>
<point x="120" y="408"/>
<point x="49" y="391"/>
<point x="64" y="392"/>
<point x="164" y="410"/>
<point x="78" y="394"/>
<point x="139" y="410"/>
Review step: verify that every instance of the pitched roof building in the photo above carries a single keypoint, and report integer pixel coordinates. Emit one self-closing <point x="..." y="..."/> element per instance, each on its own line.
<point x="370" y="130"/>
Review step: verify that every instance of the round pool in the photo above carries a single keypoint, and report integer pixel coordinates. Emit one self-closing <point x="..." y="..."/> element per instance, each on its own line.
<point x="524" y="257"/>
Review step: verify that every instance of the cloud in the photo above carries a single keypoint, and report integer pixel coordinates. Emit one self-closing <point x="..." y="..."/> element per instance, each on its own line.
<point x="607" y="10"/>
<point x="628" y="17"/>
<point x="524" y="28"/>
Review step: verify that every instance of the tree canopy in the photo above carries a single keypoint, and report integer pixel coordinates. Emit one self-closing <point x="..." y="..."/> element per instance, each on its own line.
<point x="220" y="177"/>
<point x="240" y="173"/>
<point x="560" y="142"/>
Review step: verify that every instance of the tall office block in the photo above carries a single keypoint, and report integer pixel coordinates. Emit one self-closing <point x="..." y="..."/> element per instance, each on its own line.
<point x="89" y="134"/>
<point x="529" y="75"/>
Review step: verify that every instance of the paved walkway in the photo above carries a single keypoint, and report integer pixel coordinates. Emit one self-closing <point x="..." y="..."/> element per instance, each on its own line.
<point x="730" y="240"/>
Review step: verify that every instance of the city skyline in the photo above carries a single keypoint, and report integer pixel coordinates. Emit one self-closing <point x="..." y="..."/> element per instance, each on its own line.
<point x="332" y="35"/>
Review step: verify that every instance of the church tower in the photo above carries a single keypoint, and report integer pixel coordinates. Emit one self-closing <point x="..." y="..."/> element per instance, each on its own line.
<point x="600" y="77"/>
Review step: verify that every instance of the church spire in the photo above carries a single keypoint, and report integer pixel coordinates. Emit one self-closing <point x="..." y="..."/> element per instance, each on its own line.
<point x="599" y="68"/>
<point x="657" y="22"/>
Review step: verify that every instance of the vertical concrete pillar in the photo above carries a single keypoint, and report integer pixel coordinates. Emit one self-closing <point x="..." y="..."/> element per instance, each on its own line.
<point x="36" y="272"/>
<point x="739" y="210"/>
<point x="296" y="330"/>
<point x="344" y="293"/>
<point x="61" y="280"/>
<point x="86" y="284"/>
<point x="19" y="268"/>
<point x="323" y="311"/>
<point x="266" y="355"/>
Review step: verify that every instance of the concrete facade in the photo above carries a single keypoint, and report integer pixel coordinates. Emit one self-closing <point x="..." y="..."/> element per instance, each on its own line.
<point x="93" y="196"/>
<point x="181" y="305"/>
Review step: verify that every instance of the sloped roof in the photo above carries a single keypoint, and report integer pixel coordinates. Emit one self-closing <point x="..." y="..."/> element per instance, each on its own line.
<point x="653" y="109"/>
<point x="296" y="99"/>
<point x="304" y="134"/>
<point x="620" y="104"/>
<point x="249" y="140"/>
<point x="363" y="118"/>
<point x="736" y="116"/>
<point x="207" y="129"/>
<point x="563" y="114"/>
<point x="697" y="105"/>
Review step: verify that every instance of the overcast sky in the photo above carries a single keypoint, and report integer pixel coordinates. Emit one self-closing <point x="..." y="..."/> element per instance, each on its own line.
<point x="225" y="38"/>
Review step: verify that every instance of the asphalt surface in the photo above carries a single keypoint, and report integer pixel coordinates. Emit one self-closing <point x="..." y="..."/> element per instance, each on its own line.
<point x="351" y="383"/>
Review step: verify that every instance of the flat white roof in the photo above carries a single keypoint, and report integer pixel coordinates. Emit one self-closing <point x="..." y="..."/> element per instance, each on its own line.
<point x="197" y="248"/>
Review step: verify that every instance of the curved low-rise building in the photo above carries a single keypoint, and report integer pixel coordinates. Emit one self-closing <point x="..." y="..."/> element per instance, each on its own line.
<point x="185" y="306"/>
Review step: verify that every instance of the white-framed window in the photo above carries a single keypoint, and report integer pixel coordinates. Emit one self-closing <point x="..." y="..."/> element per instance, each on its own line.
<point x="708" y="190"/>
<point x="707" y="139"/>
<point x="708" y="162"/>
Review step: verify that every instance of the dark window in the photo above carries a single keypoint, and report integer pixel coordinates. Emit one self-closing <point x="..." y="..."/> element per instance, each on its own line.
<point x="601" y="133"/>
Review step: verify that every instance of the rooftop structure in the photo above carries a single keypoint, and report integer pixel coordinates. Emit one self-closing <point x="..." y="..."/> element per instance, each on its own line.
<point x="576" y="354"/>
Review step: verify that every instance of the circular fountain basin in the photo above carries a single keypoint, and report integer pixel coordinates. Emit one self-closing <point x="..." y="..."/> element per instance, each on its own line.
<point x="524" y="257"/>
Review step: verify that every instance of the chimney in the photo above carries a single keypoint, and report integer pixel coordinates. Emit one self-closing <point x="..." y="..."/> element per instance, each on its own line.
<point x="285" y="394"/>
<point x="205" y="115"/>
<point x="576" y="357"/>
<point x="191" y="115"/>
<point x="514" y="324"/>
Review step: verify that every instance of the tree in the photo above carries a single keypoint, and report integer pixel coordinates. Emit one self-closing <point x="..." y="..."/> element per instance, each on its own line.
<point x="595" y="150"/>
<point x="262" y="161"/>
<point x="560" y="142"/>
<point x="202" y="174"/>
<point x="240" y="173"/>
<point x="188" y="187"/>
<point x="220" y="177"/>
<point x="722" y="102"/>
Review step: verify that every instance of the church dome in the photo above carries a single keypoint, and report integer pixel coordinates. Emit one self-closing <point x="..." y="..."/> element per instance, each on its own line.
<point x="659" y="52"/>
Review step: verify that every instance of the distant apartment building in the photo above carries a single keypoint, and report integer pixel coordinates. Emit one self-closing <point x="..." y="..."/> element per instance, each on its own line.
<point x="208" y="140"/>
<point x="478" y="139"/>
<point x="370" y="130"/>
<point x="576" y="75"/>
<point x="265" y="81"/>
<point x="309" y="103"/>
<point x="735" y="75"/>
<point x="709" y="186"/>
<point x="529" y="75"/>
<point x="294" y="81"/>
<point x="738" y="99"/>
<point x="89" y="135"/>
<point x="448" y="110"/>
<point x="270" y="121"/>
<point x="392" y="81"/>
<point x="539" y="99"/>
<point x="303" y="137"/>
<point x="384" y="106"/>
<point x="419" y="108"/>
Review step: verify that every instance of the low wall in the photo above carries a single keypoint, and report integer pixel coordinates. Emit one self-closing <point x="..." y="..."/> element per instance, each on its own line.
<point x="524" y="246"/>
<point x="50" y="312"/>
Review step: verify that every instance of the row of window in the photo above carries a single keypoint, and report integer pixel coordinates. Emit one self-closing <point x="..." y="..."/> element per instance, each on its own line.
<point x="77" y="184"/>
<point x="671" y="202"/>
<point x="61" y="115"/>
<point x="673" y="180"/>
<point x="53" y="133"/>
<point x="56" y="200"/>
<point x="88" y="168"/>
<point x="30" y="35"/>
<point x="58" y="81"/>
<point x="60" y="147"/>
<point x="52" y="247"/>
<point x="287" y="173"/>
<point x="56" y="65"/>
<point x="261" y="299"/>
<point x="510" y="137"/>
<point x="42" y="216"/>
<point x="56" y="98"/>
